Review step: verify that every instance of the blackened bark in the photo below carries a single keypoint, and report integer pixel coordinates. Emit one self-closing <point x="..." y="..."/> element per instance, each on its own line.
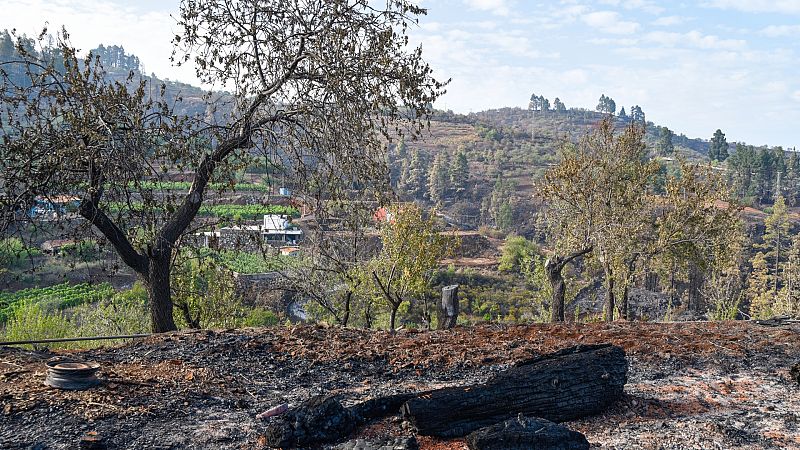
<point x="573" y="383"/>
<point x="525" y="433"/>
<point x="393" y="316"/>
<point x="610" y="301"/>
<point x="553" y="268"/>
<point x="448" y="308"/>
<point x="136" y="261"/>
<point x="323" y="419"/>
<point x="158" y="287"/>
<point x="347" y="299"/>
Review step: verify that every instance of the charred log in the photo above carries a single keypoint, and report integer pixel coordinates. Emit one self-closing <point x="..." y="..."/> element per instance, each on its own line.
<point x="566" y="385"/>
<point x="318" y="420"/>
<point x="376" y="408"/>
<point x="323" y="419"/>
<point x="397" y="443"/>
<point x="524" y="433"/>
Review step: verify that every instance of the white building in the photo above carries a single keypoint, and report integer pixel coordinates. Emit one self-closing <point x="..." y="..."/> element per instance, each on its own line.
<point x="275" y="229"/>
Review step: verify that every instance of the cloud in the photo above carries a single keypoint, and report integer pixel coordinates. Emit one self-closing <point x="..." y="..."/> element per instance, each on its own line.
<point x="769" y="6"/>
<point x="496" y="7"/>
<point x="669" y="21"/>
<point x="775" y="31"/>
<point x="694" y="39"/>
<point x="648" y="6"/>
<point x="610" y="22"/>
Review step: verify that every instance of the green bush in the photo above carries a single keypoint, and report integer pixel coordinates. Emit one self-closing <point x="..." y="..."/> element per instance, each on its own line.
<point x="124" y="313"/>
<point x="29" y="320"/>
<point x="85" y="250"/>
<point x="62" y="295"/>
<point x="516" y="250"/>
<point x="260" y="317"/>
<point x="14" y="252"/>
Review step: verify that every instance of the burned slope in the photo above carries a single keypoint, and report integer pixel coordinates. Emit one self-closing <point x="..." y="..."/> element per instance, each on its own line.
<point x="694" y="385"/>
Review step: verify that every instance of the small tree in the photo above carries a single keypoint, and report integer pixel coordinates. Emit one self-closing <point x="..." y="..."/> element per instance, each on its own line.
<point x="438" y="178"/>
<point x="558" y="105"/>
<point x="459" y="174"/>
<point x="334" y="255"/>
<point x="758" y="288"/>
<point x="411" y="250"/>
<point x="776" y="239"/>
<point x="718" y="148"/>
<point x="515" y="252"/>
<point x="665" y="145"/>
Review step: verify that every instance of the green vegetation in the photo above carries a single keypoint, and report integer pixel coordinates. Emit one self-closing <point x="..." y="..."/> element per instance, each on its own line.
<point x="250" y="263"/>
<point x="14" y="253"/>
<point x="62" y="296"/>
<point x="185" y="185"/>
<point x="231" y="212"/>
<point x="238" y="212"/>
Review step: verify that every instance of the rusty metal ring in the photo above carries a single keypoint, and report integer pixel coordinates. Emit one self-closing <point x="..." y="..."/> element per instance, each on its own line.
<point x="72" y="374"/>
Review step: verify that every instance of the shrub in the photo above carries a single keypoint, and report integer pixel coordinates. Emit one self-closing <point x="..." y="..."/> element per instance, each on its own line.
<point x="14" y="252"/>
<point x="260" y="317"/>
<point x="123" y="313"/>
<point x="85" y="250"/>
<point x="29" y="320"/>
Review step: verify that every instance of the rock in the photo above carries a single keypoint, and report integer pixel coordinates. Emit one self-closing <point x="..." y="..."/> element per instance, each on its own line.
<point x="525" y="433"/>
<point x="395" y="443"/>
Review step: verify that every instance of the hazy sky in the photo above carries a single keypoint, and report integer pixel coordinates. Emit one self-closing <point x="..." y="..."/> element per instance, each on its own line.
<point x="693" y="66"/>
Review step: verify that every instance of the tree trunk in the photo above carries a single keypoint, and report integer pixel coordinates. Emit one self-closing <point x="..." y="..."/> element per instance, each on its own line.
<point x="553" y="267"/>
<point x="777" y="262"/>
<point x="624" y="306"/>
<point x="609" y="294"/>
<point x="559" y="288"/>
<point x="626" y="290"/>
<point x="393" y="316"/>
<point x="566" y="385"/>
<point x="448" y="308"/>
<point x="347" y="300"/>
<point x="158" y="290"/>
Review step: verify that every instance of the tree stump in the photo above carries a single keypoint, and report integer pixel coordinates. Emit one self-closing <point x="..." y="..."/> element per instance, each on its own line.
<point x="566" y="385"/>
<point x="448" y="308"/>
<point x="525" y="433"/>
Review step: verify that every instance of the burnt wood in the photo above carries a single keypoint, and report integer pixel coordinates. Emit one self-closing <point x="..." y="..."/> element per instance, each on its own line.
<point x="323" y="419"/>
<point x="448" y="308"/>
<point x="524" y="433"/>
<point x="569" y="384"/>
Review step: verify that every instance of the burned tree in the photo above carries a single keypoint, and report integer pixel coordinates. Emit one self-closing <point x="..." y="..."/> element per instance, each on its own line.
<point x="553" y="267"/>
<point x="317" y="88"/>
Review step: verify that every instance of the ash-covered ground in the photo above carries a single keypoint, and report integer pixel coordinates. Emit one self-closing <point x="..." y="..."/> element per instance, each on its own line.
<point x="691" y="385"/>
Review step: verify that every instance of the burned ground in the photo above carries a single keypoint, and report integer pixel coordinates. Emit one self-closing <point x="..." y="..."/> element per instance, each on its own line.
<point x="691" y="385"/>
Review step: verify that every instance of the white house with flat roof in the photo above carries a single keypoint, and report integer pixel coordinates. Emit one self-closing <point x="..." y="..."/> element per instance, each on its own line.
<point x="275" y="229"/>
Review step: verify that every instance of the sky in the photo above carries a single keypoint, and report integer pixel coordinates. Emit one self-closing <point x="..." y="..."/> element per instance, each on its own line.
<point x="692" y="66"/>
